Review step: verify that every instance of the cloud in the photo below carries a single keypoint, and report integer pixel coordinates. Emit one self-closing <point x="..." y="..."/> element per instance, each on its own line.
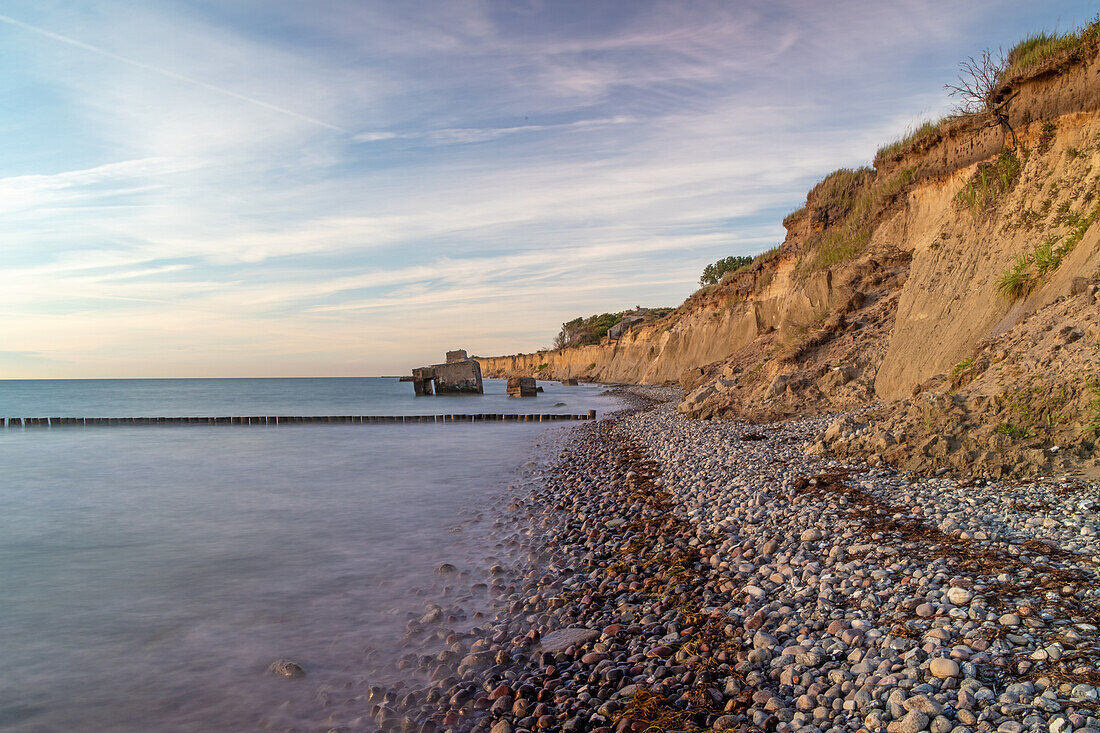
<point x="370" y="137"/>
<point x="164" y="72"/>
<point x="460" y="135"/>
<point x="79" y="187"/>
<point x="184" y="196"/>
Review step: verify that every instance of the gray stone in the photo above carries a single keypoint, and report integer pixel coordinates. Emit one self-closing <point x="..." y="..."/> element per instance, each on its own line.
<point x="1059" y="725"/>
<point x="924" y="704"/>
<point x="940" y="724"/>
<point x="913" y="722"/>
<point x="944" y="668"/>
<point x="559" y="641"/>
<point x="762" y="640"/>
<point x="959" y="596"/>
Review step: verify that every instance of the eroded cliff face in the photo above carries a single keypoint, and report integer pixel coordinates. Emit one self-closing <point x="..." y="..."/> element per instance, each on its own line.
<point x="891" y="279"/>
<point x="697" y="334"/>
<point x="951" y="300"/>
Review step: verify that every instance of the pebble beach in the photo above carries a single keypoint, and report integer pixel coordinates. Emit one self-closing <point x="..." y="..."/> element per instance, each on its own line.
<point x="675" y="575"/>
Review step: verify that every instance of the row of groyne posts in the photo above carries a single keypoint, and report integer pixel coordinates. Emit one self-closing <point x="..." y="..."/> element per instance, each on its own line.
<point x="51" y="422"/>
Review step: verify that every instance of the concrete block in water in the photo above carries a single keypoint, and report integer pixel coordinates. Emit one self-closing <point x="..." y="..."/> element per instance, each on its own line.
<point x="522" y="387"/>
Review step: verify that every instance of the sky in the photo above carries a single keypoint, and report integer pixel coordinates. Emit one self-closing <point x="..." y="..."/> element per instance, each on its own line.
<point x="222" y="188"/>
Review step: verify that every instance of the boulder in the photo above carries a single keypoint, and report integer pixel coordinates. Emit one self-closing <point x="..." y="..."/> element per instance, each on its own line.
<point x="286" y="668"/>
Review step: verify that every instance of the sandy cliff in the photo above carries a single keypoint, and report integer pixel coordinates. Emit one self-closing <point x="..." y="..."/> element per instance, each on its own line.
<point x="890" y="279"/>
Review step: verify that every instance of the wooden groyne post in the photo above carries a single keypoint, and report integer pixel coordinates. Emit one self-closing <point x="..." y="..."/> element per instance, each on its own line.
<point x="56" y="422"/>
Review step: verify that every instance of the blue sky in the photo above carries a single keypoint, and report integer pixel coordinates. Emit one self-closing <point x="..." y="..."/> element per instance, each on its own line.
<point x="279" y="188"/>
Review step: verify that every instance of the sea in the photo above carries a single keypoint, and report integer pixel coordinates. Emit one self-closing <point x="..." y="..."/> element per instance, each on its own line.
<point x="150" y="574"/>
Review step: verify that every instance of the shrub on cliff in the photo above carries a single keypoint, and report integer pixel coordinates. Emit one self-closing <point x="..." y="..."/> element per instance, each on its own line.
<point x="582" y="331"/>
<point x="712" y="273"/>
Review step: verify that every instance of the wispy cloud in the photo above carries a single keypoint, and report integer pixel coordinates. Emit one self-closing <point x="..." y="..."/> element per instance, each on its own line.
<point x="78" y="186"/>
<point x="482" y="134"/>
<point x="164" y="72"/>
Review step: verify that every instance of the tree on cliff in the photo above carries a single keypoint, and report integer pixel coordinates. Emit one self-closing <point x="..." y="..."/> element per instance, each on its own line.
<point x="977" y="91"/>
<point x="713" y="272"/>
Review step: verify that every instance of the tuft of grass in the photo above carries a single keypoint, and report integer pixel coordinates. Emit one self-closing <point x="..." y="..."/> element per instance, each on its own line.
<point x="1013" y="431"/>
<point x="1030" y="268"/>
<point x="1092" y="424"/>
<point x="846" y="204"/>
<point x="768" y="255"/>
<point x="1016" y="282"/>
<point x="1046" y="256"/>
<point x="990" y="181"/>
<point x="962" y="366"/>
<point x="1007" y="168"/>
<point x="838" y="193"/>
<point x="790" y="218"/>
<point x="1079" y="226"/>
<point x="1072" y="152"/>
<point x="1046" y="137"/>
<point x="840" y="245"/>
<point x="1037" y="48"/>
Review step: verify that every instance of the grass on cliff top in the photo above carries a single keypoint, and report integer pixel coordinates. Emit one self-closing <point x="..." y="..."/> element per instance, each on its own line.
<point x="846" y="204"/>
<point x="840" y="189"/>
<point x="912" y="137"/>
<point x="1041" y="48"/>
<point x="1034" y="52"/>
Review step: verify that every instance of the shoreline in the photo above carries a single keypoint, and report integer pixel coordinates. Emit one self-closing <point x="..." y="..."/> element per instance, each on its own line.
<point x="712" y="576"/>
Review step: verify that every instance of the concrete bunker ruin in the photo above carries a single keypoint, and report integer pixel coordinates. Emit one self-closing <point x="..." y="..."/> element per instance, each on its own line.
<point x="459" y="375"/>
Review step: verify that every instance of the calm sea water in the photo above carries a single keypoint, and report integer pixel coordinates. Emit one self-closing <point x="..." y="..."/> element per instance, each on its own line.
<point x="148" y="575"/>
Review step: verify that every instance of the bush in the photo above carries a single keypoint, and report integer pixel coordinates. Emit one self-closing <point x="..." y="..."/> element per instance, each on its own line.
<point x="713" y="273"/>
